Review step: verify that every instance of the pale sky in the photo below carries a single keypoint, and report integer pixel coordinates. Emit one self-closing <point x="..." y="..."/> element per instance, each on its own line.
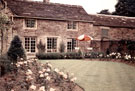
<point x="91" y="6"/>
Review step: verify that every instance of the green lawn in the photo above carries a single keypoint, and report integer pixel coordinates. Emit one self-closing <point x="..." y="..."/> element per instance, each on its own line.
<point x="99" y="75"/>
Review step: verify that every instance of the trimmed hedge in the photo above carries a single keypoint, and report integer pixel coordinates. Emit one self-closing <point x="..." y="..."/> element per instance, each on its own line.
<point x="69" y="55"/>
<point x="50" y="55"/>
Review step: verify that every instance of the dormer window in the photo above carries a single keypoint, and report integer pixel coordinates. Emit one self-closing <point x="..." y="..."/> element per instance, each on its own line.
<point x="30" y="23"/>
<point x="71" y="25"/>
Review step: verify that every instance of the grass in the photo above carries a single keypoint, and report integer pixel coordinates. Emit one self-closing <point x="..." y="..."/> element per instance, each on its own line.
<point x="99" y="75"/>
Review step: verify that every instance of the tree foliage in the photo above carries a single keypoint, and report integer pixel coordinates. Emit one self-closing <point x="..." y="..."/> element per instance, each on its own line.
<point x="5" y="24"/>
<point x="125" y="8"/>
<point x="4" y="21"/>
<point x="16" y="50"/>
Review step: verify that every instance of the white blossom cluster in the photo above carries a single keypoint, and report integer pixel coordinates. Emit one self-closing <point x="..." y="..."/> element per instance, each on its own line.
<point x="65" y="76"/>
<point x="127" y="57"/>
<point x="44" y="73"/>
<point x="114" y="55"/>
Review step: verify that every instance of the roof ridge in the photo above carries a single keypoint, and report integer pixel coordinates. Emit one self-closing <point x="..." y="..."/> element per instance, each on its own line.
<point x="113" y="16"/>
<point x="50" y="3"/>
<point x="69" y="5"/>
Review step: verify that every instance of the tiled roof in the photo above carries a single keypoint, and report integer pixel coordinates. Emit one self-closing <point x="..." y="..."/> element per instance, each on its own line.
<point x="44" y="10"/>
<point x="113" y="21"/>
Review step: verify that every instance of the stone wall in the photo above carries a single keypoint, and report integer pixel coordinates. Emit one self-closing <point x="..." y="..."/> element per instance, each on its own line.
<point x="49" y="28"/>
<point x="114" y="34"/>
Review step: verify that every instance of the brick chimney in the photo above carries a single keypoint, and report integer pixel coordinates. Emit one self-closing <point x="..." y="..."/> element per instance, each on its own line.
<point x="46" y="1"/>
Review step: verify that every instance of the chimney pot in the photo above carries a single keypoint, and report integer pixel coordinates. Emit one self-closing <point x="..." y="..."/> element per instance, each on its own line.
<point x="46" y="1"/>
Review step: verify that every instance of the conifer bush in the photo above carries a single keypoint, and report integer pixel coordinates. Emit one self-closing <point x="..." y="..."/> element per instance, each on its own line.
<point x="41" y="47"/>
<point x="16" y="50"/>
<point x="62" y="47"/>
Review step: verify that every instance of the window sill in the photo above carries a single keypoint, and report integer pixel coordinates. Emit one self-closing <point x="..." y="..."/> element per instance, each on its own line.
<point x="72" y="29"/>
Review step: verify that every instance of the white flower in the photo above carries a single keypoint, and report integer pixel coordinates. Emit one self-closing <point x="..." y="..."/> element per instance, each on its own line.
<point x="32" y="87"/>
<point x="21" y="63"/>
<point x="29" y="72"/>
<point x="43" y="70"/>
<point x="46" y="74"/>
<point x="101" y="55"/>
<point x="49" y="65"/>
<point x="21" y="59"/>
<point x="73" y="79"/>
<point x="61" y="73"/>
<point x="18" y="65"/>
<point x="65" y="76"/>
<point x="42" y="88"/>
<point x="12" y="90"/>
<point x="108" y="55"/>
<point x="48" y="78"/>
<point x="30" y="61"/>
<point x="56" y="70"/>
<point x="41" y="75"/>
<point x="25" y="62"/>
<point x="40" y="72"/>
<point x="48" y="70"/>
<point x="29" y="78"/>
<point x="52" y="89"/>
<point x="36" y="59"/>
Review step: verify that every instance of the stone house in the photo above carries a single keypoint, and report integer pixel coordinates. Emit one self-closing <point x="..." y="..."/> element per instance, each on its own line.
<point x="54" y="23"/>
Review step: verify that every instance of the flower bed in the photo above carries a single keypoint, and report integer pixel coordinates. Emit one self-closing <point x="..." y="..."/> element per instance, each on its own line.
<point x="33" y="76"/>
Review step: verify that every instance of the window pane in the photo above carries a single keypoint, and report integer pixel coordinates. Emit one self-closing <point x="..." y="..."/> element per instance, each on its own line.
<point x="71" y="25"/>
<point x="30" y="23"/>
<point x="30" y="44"/>
<point x="71" y="44"/>
<point x="74" y="25"/>
<point x="51" y="44"/>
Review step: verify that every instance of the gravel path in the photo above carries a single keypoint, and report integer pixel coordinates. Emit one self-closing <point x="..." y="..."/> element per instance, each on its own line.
<point x="99" y="75"/>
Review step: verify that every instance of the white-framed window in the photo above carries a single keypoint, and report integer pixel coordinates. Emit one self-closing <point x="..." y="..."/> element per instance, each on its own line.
<point x="51" y="44"/>
<point x="71" y="44"/>
<point x="30" y="23"/>
<point x="72" y="25"/>
<point x="30" y="44"/>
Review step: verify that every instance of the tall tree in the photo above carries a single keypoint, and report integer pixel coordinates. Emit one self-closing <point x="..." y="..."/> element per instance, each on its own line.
<point x="125" y="8"/>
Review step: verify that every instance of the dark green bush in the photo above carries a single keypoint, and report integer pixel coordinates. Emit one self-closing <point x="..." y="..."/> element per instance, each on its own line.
<point x="5" y="65"/>
<point x="16" y="50"/>
<point x="73" y="55"/>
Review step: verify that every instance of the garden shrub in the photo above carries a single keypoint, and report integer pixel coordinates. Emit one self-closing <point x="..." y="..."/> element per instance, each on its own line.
<point x="73" y="55"/>
<point x="16" y="50"/>
<point x="5" y="65"/>
<point x="41" y="47"/>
